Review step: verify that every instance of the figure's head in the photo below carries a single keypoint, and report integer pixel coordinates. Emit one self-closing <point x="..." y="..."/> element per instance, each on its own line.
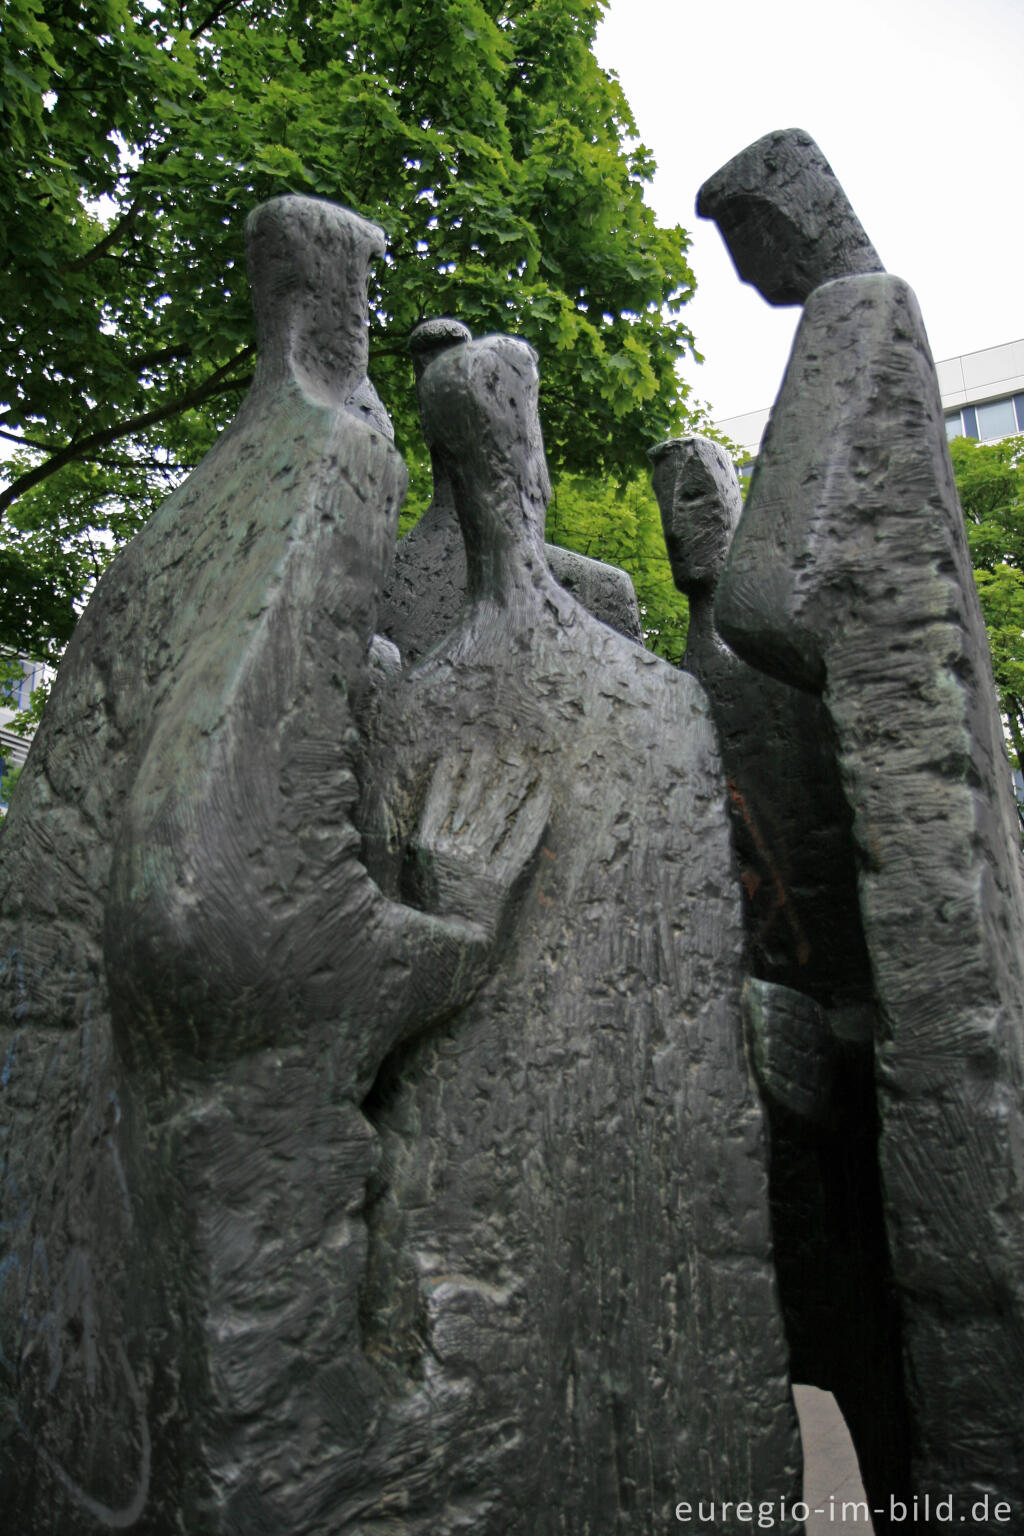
<point x="309" y="261"/>
<point x="478" y="403"/>
<point x="433" y="336"/>
<point x="700" y="502"/>
<point x="785" y="219"/>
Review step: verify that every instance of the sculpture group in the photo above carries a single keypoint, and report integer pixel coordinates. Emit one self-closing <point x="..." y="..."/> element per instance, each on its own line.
<point x="457" y="1069"/>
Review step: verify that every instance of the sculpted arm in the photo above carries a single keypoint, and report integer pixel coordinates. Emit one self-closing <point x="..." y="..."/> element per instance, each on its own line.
<point x="240" y="914"/>
<point x="222" y="939"/>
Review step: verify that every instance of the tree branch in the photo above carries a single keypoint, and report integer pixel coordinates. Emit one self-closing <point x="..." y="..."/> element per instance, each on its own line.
<point x="28" y="442"/>
<point x="101" y="247"/>
<point x="162" y="355"/>
<point x="1014" y="716"/>
<point x="215" y="385"/>
<point x="215" y="15"/>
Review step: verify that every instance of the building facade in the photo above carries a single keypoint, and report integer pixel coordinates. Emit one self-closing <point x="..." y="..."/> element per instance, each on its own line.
<point x="982" y="396"/>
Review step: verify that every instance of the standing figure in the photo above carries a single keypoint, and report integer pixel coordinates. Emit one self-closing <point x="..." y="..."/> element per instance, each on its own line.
<point x="810" y="1005"/>
<point x="849" y="576"/>
<point x="200" y="978"/>
<point x="571" y="1292"/>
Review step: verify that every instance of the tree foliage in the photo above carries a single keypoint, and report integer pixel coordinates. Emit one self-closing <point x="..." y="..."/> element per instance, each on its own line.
<point x="990" y="482"/>
<point x="482" y="134"/>
<point x="8" y="784"/>
<point x="622" y="525"/>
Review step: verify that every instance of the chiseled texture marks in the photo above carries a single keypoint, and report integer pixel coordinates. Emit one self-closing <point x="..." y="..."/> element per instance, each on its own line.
<point x="794" y="843"/>
<point x="792" y="1046"/>
<point x="849" y="572"/>
<point x="791" y="824"/>
<point x="184" y="1160"/>
<point x="425" y="591"/>
<point x="570" y="1280"/>
<point x="271" y="1264"/>
<point x="604" y="590"/>
<point x="785" y="218"/>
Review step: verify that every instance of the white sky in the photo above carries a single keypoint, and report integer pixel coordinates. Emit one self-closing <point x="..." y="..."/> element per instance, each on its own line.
<point x="918" y="107"/>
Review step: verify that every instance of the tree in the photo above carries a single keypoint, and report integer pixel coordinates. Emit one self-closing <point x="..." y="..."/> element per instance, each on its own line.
<point x="622" y="525"/>
<point x="481" y="133"/>
<point x="990" y="482"/>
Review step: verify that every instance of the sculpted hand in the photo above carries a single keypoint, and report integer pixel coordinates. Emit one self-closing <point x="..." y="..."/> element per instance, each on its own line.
<point x="482" y="824"/>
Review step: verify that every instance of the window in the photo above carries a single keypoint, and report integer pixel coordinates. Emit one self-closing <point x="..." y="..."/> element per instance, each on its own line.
<point x="996" y="418"/>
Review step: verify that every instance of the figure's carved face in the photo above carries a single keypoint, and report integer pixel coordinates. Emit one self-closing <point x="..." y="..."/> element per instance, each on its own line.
<point x="699" y="498"/>
<point x="309" y="262"/>
<point x="785" y="219"/>
<point x="479" y="410"/>
<point x="432" y="337"/>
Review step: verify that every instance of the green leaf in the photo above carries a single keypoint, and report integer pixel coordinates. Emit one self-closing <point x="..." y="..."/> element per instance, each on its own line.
<point x="485" y="138"/>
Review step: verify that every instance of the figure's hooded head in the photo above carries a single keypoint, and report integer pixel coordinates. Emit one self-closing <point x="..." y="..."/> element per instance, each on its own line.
<point x="309" y="262"/>
<point x="699" y="498"/>
<point x="478" y="403"/>
<point x="786" y="221"/>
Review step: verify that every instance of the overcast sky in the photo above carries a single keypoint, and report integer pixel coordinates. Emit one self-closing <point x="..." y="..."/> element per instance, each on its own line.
<point x="918" y="108"/>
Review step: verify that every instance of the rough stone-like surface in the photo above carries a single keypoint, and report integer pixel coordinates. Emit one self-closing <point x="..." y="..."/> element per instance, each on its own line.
<point x="426" y="589"/>
<point x="605" y="591"/>
<point x="424" y="594"/>
<point x="849" y="573"/>
<point x="200" y="980"/>
<point x="785" y="219"/>
<point x="308" y="1229"/>
<point x="790" y="820"/>
<point x="794" y="845"/>
<point x="792" y="1048"/>
<point x="570" y="1286"/>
